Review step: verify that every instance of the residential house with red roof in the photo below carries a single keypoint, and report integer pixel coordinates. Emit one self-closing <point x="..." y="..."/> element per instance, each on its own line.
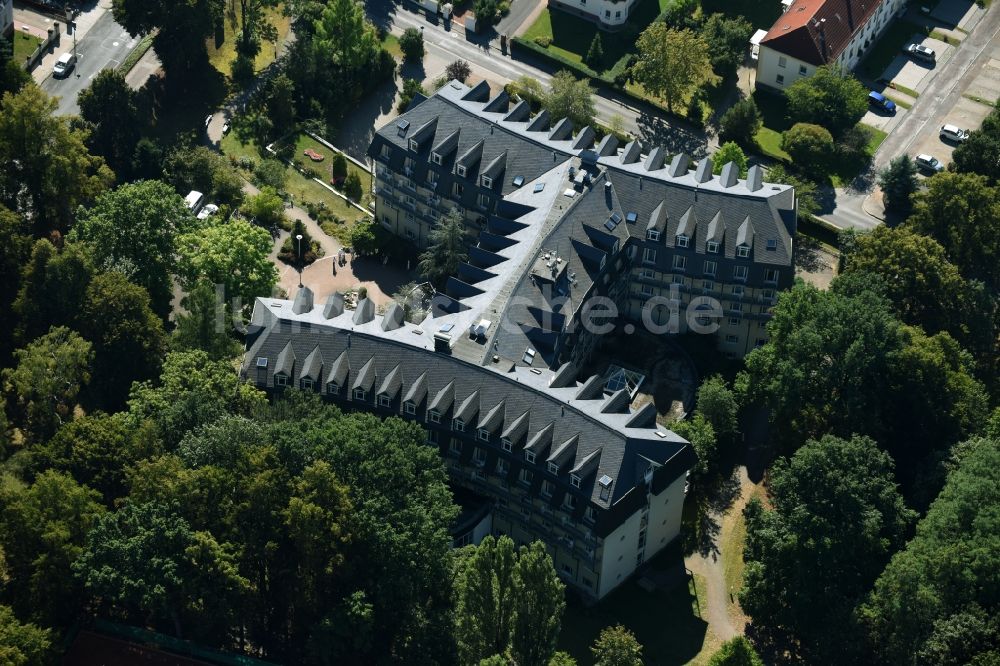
<point x="812" y="33"/>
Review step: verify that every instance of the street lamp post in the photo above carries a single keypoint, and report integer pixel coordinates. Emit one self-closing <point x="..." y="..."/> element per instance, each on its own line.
<point x="298" y="238"/>
<point x="71" y="25"/>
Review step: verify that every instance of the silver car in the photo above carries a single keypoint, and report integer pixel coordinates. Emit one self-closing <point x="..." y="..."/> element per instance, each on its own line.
<point x="954" y="133"/>
<point x="921" y="52"/>
<point x="929" y="163"/>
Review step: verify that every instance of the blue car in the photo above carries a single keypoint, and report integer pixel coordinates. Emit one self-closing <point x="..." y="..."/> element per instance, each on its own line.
<point x="880" y="101"/>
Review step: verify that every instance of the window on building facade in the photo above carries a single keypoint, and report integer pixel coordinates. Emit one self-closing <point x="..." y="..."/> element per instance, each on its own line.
<point x="529" y="456"/>
<point x="436" y="158"/>
<point x="647" y="273"/>
<point x="680" y="263"/>
<point x="574" y="480"/>
<point x="503" y="467"/>
<point x="384" y="401"/>
<point x="707" y="285"/>
<point x="649" y="255"/>
<point x="386" y="151"/>
<point x="712" y="247"/>
<point x="731" y="339"/>
<point x="458" y="190"/>
<point x="414" y="146"/>
<point x="771" y="275"/>
<point x="782" y="61"/>
<point x="487" y="181"/>
<point x="772" y="244"/>
<point x="281" y="380"/>
<point x="710" y="268"/>
<point x="332" y="388"/>
<point x="409" y="408"/>
<point x="479" y="456"/>
<point x="743" y="251"/>
<point x="458" y="425"/>
<point x="432" y="436"/>
<point x="525" y="476"/>
<point x="569" y="502"/>
<point x="740" y="272"/>
<point x="802" y="70"/>
<point x="734" y="321"/>
<point x="306" y="384"/>
<point x="590" y="514"/>
<point x="547" y="488"/>
<point x="682" y="241"/>
<point x="779" y="79"/>
<point x="460" y="170"/>
<point x="652" y="234"/>
<point x="506" y="445"/>
<point x="434" y="416"/>
<point x="553" y="468"/>
<point x="360" y="394"/>
<point x="646" y="290"/>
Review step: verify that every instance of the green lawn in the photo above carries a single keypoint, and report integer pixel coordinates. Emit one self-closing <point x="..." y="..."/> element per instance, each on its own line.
<point x="301" y="188"/>
<point x="571" y="35"/>
<point x="323" y="169"/>
<point x="222" y="53"/>
<point x="391" y="44"/>
<point x="769" y="142"/>
<point x="24" y="45"/>
<point x="668" y="624"/>
<point x="889" y="45"/>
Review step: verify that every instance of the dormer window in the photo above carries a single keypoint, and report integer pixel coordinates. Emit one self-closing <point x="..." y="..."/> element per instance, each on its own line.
<point x="458" y="425"/>
<point x="653" y="234"/>
<point x="460" y="170"/>
<point x="506" y="445"/>
<point x="772" y="244"/>
<point x="384" y="401"/>
<point x="281" y="380"/>
<point x="712" y="247"/>
<point x="743" y="251"/>
<point x="434" y="416"/>
<point x="574" y="480"/>
<point x="332" y="388"/>
<point x="360" y="394"/>
<point x="409" y="407"/>
<point x="484" y="434"/>
<point x="306" y="384"/>
<point x="553" y="468"/>
<point x="682" y="241"/>
<point x="487" y="181"/>
<point x="414" y="145"/>
<point x="529" y="456"/>
<point x="436" y="158"/>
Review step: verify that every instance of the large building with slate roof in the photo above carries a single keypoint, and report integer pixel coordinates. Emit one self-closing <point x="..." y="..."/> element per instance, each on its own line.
<point x="563" y="217"/>
<point x="554" y="457"/>
<point x="572" y="234"/>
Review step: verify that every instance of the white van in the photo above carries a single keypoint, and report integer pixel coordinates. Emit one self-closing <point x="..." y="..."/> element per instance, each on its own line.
<point x="194" y="200"/>
<point x="63" y="66"/>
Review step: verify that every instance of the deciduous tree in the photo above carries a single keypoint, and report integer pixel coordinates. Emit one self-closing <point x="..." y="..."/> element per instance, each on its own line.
<point x="23" y="644"/>
<point x="133" y="230"/>
<point x="810" y="146"/>
<point x="937" y="600"/>
<point x="837" y="518"/>
<point x="672" y="63"/>
<point x="741" y="122"/>
<point x="569" y="97"/>
<point x="181" y="28"/>
<point x="234" y="254"/>
<point x="538" y="606"/>
<point x="205" y="323"/>
<point x="110" y="107"/>
<point x="412" y="44"/>
<point x="719" y="405"/>
<point x="727" y="37"/>
<point x="736" y="652"/>
<point x="47" y="169"/>
<point x="617" y="646"/>
<point x="47" y="378"/>
<point x="459" y="70"/>
<point x="831" y="97"/>
<point x="730" y="152"/>
<point x="53" y="286"/>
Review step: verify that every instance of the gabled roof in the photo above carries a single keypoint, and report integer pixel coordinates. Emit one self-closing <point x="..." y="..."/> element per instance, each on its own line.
<point x="468" y="408"/>
<point x="365" y="378"/>
<point x="444" y="398"/>
<point x="286" y="361"/>
<point x="542" y="439"/>
<point x="392" y="383"/>
<point x="339" y="370"/>
<point x="493" y="419"/>
<point x="417" y="390"/>
<point x="516" y="430"/>
<point x="818" y="31"/>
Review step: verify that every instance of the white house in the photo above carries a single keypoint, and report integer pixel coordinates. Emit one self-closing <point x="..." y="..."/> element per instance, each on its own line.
<point x="811" y="33"/>
<point x="6" y="17"/>
<point x="609" y="14"/>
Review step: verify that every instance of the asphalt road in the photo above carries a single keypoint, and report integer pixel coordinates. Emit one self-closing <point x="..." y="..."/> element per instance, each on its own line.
<point x="105" y="45"/>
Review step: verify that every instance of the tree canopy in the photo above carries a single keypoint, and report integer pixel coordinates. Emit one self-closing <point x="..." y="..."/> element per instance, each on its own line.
<point x="672" y="63"/>
<point x="937" y="600"/>
<point x="831" y="97"/>
<point x="572" y="98"/>
<point x="447" y="247"/>
<point x="837" y="518"/>
<point x="111" y="109"/>
<point x="617" y="646"/>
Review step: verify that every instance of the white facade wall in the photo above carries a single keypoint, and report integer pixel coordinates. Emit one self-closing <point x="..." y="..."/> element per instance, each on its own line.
<point x="777" y="70"/>
<point x="606" y="12"/>
<point x="623" y="551"/>
<point x="619" y="556"/>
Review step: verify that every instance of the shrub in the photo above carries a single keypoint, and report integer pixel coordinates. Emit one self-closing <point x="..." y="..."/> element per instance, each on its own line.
<point x="810" y="146"/>
<point x="412" y="44"/>
<point x="338" y="167"/>
<point x="411" y="88"/>
<point x="595" y="54"/>
<point x="544" y="41"/>
<point x="486" y="12"/>
<point x="311" y="250"/>
<point x="459" y="70"/>
<point x="271" y="173"/>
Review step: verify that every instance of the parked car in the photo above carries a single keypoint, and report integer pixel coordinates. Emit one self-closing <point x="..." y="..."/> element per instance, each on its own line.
<point x="64" y="65"/>
<point x="929" y="163"/>
<point x="207" y="211"/>
<point x="881" y="102"/>
<point x="921" y="52"/>
<point x="953" y="133"/>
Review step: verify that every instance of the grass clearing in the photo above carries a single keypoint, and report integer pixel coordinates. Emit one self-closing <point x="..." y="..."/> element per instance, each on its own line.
<point x="668" y="624"/>
<point x="391" y="44"/>
<point x="301" y="188"/>
<point x="769" y="142"/>
<point x="899" y="101"/>
<point x="24" y="45"/>
<point x="324" y="169"/>
<point x="222" y="53"/>
<point x="946" y="38"/>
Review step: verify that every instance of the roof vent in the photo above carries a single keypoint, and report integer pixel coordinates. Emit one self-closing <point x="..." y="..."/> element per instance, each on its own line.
<point x="303" y="301"/>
